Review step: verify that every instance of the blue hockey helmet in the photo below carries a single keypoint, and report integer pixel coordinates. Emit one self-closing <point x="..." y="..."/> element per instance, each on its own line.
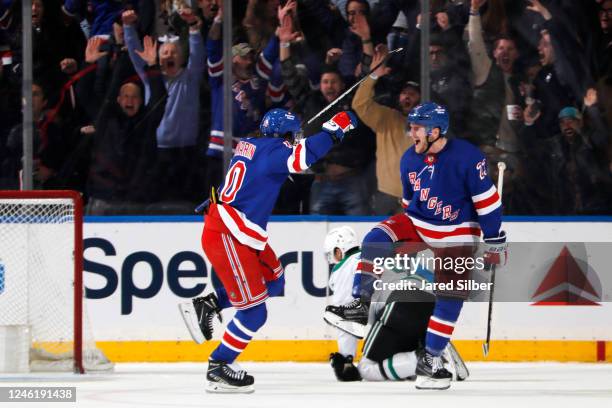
<point x="431" y="115"/>
<point x="279" y="122"/>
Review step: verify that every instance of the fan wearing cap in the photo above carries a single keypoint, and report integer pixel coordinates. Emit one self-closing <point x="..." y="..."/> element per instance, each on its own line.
<point x="449" y="201"/>
<point x="570" y="170"/>
<point x="243" y="60"/>
<point x="251" y="79"/>
<point x="581" y="171"/>
<point x="574" y="131"/>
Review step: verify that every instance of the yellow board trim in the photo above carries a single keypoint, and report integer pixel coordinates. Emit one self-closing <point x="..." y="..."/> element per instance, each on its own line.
<point x="319" y="350"/>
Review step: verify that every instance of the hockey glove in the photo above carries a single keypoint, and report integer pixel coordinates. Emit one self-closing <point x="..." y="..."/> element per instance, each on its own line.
<point x="340" y="124"/>
<point x="496" y="251"/>
<point x="276" y="287"/>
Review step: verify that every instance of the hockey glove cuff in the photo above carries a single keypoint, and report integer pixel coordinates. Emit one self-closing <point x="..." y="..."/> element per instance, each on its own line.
<point x="496" y="250"/>
<point x="340" y="124"/>
<point x="276" y="287"/>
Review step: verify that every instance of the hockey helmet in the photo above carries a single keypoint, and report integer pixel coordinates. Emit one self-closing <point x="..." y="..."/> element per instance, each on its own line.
<point x="343" y="238"/>
<point x="279" y="122"/>
<point x="431" y="115"/>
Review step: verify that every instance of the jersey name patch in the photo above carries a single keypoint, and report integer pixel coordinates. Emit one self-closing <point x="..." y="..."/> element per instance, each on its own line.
<point x="245" y="149"/>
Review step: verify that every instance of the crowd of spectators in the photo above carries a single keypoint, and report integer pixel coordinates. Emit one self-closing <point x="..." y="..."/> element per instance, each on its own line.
<point x="128" y="109"/>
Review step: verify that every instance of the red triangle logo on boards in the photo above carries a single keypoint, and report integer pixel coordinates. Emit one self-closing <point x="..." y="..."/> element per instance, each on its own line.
<point x="565" y="284"/>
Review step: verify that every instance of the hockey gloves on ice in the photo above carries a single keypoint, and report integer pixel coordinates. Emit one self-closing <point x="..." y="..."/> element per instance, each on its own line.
<point x="496" y="250"/>
<point x="340" y="124"/>
<point x="344" y="368"/>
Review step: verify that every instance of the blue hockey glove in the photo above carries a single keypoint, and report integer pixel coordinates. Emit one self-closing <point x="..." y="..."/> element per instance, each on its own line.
<point x="276" y="287"/>
<point x="340" y="124"/>
<point x="496" y="251"/>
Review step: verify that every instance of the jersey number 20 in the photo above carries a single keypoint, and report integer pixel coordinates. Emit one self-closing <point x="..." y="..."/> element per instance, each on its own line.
<point x="233" y="182"/>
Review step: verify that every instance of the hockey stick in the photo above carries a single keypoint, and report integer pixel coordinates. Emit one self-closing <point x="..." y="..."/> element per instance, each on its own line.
<point x="348" y="91"/>
<point x="501" y="166"/>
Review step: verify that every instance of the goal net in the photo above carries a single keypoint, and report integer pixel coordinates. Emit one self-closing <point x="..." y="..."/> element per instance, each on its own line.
<point x="43" y="322"/>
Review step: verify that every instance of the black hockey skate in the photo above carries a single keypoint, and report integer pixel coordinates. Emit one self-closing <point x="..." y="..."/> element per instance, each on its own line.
<point x="431" y="374"/>
<point x="351" y="318"/>
<point x="344" y="368"/>
<point x="222" y="378"/>
<point x="198" y="315"/>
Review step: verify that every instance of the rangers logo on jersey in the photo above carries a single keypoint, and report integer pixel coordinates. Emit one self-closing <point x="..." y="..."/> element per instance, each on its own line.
<point x="456" y="201"/>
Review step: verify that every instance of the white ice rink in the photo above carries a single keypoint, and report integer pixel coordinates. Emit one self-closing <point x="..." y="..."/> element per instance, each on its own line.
<point x="296" y="385"/>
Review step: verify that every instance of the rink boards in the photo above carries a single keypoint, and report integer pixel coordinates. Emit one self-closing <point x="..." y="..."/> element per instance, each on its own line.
<point x="137" y="269"/>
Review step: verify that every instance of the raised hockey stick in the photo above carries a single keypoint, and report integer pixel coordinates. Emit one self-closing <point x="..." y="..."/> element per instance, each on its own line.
<point x="501" y="166"/>
<point x="348" y="91"/>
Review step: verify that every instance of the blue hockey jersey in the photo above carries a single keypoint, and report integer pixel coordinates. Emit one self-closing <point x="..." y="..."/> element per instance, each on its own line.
<point x="249" y="96"/>
<point x="448" y="195"/>
<point x="252" y="183"/>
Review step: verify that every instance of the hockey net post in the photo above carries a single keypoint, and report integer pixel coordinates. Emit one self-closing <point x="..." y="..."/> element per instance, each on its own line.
<point x="44" y="325"/>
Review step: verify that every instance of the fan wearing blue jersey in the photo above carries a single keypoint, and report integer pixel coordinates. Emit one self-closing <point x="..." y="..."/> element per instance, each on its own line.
<point x="449" y="202"/>
<point x="235" y="239"/>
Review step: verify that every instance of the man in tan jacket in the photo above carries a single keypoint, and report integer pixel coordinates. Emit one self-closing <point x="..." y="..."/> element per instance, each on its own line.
<point x="391" y="141"/>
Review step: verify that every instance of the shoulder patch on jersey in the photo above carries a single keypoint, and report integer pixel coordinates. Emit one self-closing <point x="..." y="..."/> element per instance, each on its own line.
<point x="481" y="167"/>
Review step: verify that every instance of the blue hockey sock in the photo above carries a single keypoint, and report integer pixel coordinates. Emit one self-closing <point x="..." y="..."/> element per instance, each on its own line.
<point x="441" y="324"/>
<point x="239" y="333"/>
<point x="376" y="244"/>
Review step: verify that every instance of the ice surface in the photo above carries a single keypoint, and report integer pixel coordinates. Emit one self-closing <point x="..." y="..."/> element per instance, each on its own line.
<point x="297" y="385"/>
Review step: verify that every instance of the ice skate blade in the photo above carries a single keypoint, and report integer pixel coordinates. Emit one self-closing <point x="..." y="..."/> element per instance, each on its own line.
<point x="459" y="369"/>
<point x="221" y="388"/>
<point x="427" y="383"/>
<point x="191" y="321"/>
<point x="355" y="329"/>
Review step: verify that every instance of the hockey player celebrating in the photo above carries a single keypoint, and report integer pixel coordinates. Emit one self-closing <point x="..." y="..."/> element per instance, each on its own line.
<point x="450" y="200"/>
<point x="342" y="251"/>
<point x="236" y="242"/>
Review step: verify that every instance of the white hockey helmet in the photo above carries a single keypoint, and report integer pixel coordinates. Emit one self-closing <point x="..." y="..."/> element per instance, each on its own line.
<point x="343" y="238"/>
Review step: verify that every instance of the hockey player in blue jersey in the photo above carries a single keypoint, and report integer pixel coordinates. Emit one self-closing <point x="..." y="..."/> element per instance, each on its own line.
<point x="449" y="201"/>
<point x="236" y="242"/>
